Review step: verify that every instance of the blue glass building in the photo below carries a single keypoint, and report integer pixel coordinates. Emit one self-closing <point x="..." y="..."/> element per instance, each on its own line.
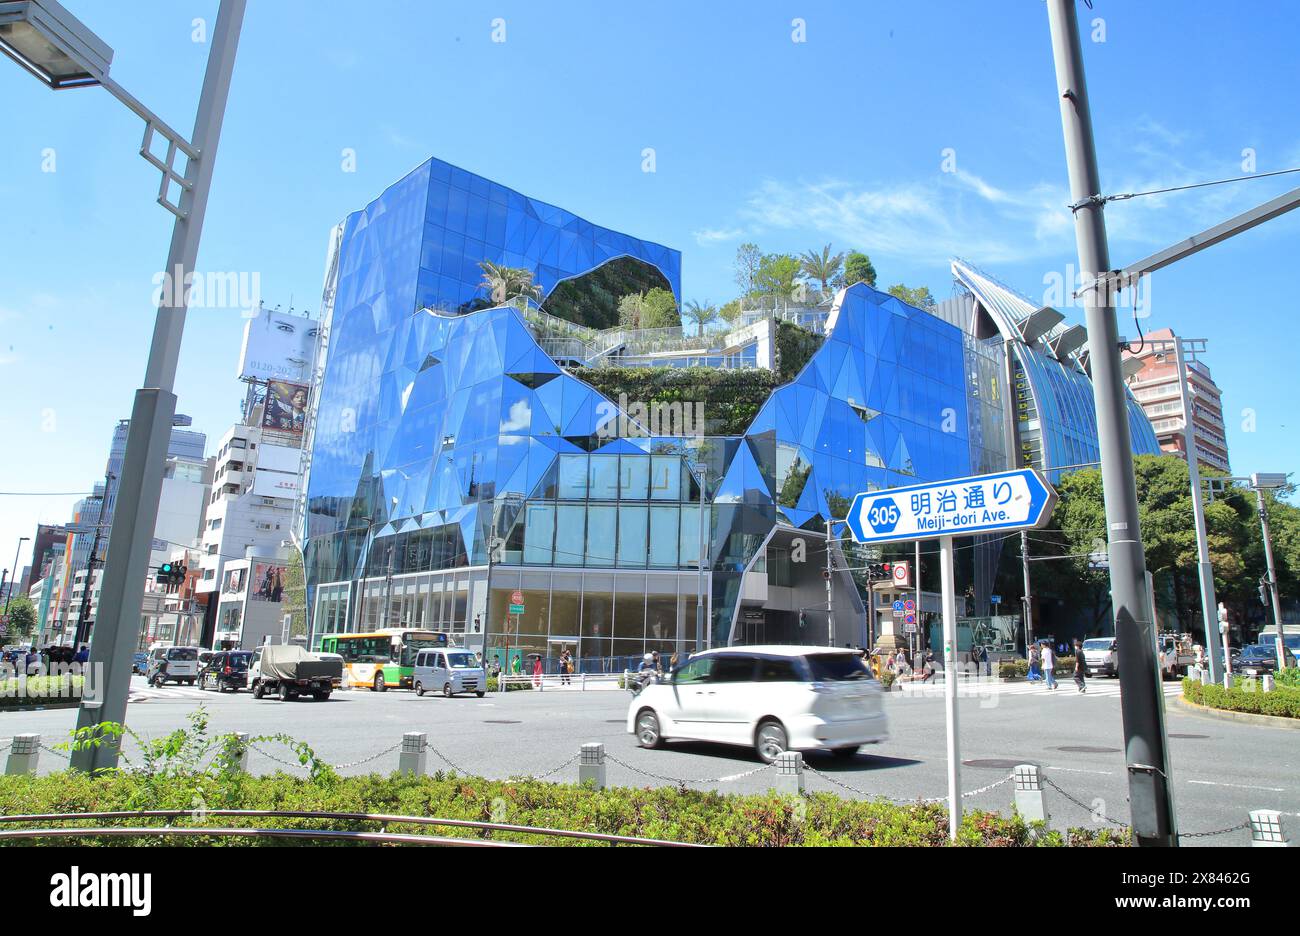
<point x="455" y="458"/>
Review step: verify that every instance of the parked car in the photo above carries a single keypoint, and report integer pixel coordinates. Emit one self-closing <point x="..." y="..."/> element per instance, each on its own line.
<point x="288" y="670"/>
<point x="1260" y="660"/>
<point x="773" y="698"/>
<point x="225" y="669"/>
<point x="1100" y="655"/>
<point x="451" y="671"/>
<point x="172" y="664"/>
<point x="140" y="662"/>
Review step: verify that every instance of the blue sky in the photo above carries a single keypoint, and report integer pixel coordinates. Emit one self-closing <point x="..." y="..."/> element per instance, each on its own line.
<point x="840" y="138"/>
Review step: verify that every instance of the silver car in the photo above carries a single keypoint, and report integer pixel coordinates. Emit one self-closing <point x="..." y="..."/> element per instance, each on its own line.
<point x="450" y="670"/>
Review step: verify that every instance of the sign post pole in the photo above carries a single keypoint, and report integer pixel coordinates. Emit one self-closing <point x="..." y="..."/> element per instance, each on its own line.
<point x="950" y="684"/>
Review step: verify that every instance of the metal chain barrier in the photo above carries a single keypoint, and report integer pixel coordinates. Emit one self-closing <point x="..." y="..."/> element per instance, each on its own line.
<point x="1236" y="828"/>
<point x="55" y="752"/>
<point x="447" y="760"/>
<point x="1048" y="781"/>
<point x="6" y="745"/>
<point x="366" y="760"/>
<point x="269" y="756"/>
<point x="678" y="781"/>
<point x="550" y="773"/>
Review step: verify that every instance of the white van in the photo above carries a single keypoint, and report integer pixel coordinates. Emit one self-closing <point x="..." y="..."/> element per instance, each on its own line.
<point x="452" y="670"/>
<point x="181" y="665"/>
<point x="774" y="698"/>
<point x="1100" y="656"/>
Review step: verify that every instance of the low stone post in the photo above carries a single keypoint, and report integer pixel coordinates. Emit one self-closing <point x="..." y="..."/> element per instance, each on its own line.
<point x="415" y="745"/>
<point x="591" y="765"/>
<point x="1267" y="829"/>
<point x="23" y="754"/>
<point x="789" y="773"/>
<point x="1031" y="802"/>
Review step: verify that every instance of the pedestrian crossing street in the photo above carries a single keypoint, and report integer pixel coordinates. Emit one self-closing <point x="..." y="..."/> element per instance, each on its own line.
<point x="1096" y="688"/>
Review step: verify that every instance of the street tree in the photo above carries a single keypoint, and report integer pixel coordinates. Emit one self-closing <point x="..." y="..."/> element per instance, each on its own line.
<point x="748" y="257"/>
<point x="858" y="269"/>
<point x="822" y="267"/>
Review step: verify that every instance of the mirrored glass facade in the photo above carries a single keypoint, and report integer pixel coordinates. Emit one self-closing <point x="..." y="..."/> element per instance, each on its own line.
<point x="460" y="479"/>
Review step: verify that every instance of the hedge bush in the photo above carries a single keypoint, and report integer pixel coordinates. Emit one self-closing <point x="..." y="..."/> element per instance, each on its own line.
<point x="1244" y="696"/>
<point x="663" y="813"/>
<point x="731" y="398"/>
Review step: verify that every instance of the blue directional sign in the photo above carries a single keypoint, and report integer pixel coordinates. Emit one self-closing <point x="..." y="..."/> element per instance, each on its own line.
<point x="898" y="607"/>
<point x="1009" y="500"/>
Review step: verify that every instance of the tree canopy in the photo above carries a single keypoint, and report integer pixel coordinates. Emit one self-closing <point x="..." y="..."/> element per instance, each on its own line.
<point x="858" y="269"/>
<point x="919" y="297"/>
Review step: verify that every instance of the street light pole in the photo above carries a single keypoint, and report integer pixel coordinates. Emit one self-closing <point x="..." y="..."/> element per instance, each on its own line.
<point x="1272" y="578"/>
<point x="9" y="594"/>
<point x="704" y="549"/>
<point x="1204" y="570"/>
<point x="1151" y="803"/>
<point x="140" y="484"/>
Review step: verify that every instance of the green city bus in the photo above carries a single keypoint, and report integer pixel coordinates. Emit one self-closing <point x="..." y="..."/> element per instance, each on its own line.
<point x="381" y="659"/>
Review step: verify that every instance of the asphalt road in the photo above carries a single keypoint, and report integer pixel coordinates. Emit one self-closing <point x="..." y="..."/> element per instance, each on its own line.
<point x="1221" y="769"/>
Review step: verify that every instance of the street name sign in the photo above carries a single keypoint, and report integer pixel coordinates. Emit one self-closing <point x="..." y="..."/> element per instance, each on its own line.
<point x="1009" y="500"/>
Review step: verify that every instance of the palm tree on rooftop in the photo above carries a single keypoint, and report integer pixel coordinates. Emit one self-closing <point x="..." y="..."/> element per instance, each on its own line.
<point x="701" y="313"/>
<point x="504" y="283"/>
<point x="822" y="267"/>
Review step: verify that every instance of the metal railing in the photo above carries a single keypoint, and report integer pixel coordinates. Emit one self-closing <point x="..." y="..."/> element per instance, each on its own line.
<point x="386" y="819"/>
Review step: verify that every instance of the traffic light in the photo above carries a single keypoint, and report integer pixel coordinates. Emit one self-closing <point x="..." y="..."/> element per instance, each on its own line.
<point x="1263" y="592"/>
<point x="171" y="573"/>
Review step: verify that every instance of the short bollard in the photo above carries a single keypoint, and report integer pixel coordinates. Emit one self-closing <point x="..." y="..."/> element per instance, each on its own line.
<point x="591" y="765"/>
<point x="1205" y="677"/>
<point x="1267" y="830"/>
<point x="1031" y="802"/>
<point x="1227" y="680"/>
<point x="415" y="746"/>
<point x="789" y="773"/>
<point x="23" y="753"/>
<point x="1266" y="683"/>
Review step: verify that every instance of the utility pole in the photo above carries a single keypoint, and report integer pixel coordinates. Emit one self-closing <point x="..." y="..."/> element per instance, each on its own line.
<point x="829" y="574"/>
<point x="1142" y="703"/>
<point x="140" y="485"/>
<point x="1272" y="578"/>
<point x="1204" y="570"/>
<point x="83" y="618"/>
<point x="704" y="550"/>
<point x="9" y="594"/>
<point x="1028" y="600"/>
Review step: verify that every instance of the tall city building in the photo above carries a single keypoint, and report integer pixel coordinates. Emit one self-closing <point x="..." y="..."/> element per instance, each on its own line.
<point x="1156" y="387"/>
<point x="508" y="473"/>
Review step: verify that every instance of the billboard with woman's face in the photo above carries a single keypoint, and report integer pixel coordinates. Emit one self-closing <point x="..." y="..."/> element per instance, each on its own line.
<point x="286" y="407"/>
<point x="278" y="346"/>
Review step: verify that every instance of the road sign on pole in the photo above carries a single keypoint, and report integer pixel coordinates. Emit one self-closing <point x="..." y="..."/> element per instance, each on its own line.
<point x="1009" y="500"/>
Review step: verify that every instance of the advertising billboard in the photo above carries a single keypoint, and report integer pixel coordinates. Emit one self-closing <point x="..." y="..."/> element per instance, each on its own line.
<point x="278" y="346"/>
<point x="267" y="583"/>
<point x="234" y="583"/>
<point x="286" y="407"/>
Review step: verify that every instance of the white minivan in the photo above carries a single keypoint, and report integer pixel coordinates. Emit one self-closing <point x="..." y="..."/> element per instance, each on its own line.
<point x="1101" y="656"/>
<point x="173" y="664"/>
<point x="771" y="698"/>
<point x="451" y="670"/>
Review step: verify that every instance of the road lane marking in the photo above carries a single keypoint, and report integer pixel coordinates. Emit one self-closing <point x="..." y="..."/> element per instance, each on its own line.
<point x="1239" y="786"/>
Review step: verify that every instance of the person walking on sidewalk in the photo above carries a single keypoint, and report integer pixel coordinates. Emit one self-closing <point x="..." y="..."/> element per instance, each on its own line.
<point x="1034" y="662"/>
<point x="1049" y="666"/>
<point x="1080" y="668"/>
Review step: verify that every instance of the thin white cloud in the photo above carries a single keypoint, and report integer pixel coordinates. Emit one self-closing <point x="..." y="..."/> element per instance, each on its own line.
<point x="932" y="218"/>
<point x="707" y="237"/>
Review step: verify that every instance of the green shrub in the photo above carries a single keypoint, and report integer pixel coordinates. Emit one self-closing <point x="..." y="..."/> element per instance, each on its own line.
<point x="731" y="398"/>
<point x="795" y="347"/>
<point x="1244" y="696"/>
<point x="1289" y="677"/>
<point x="663" y="813"/>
